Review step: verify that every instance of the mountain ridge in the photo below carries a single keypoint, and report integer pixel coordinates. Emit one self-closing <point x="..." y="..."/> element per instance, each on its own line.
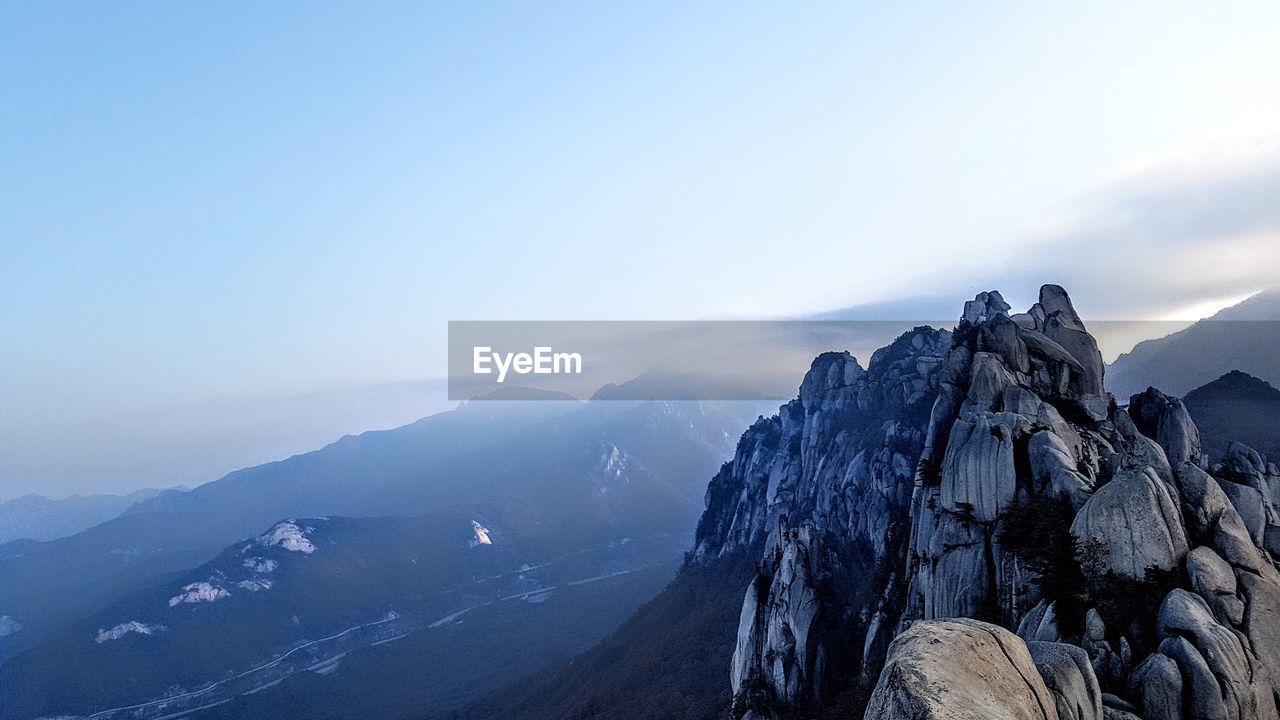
<point x="1079" y="534"/>
<point x="1245" y="337"/>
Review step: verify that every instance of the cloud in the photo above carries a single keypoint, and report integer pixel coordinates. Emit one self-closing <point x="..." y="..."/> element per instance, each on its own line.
<point x="1161" y="241"/>
<point x="1193" y="228"/>
<point x="1178" y="235"/>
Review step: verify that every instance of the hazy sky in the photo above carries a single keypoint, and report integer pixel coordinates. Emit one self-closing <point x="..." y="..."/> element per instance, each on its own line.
<point x="211" y="212"/>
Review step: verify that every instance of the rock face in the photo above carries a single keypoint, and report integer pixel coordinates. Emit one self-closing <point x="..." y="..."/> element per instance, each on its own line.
<point x="1221" y="673"/>
<point x="998" y="429"/>
<point x="776" y="647"/>
<point x="1135" y="519"/>
<point x="1253" y="485"/>
<point x="822" y="492"/>
<point x="882" y="502"/>
<point x="1165" y="420"/>
<point x="961" y="669"/>
<point x="1068" y="674"/>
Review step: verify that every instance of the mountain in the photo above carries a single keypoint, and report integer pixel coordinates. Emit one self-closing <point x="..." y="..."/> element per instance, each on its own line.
<point x="49" y="584"/>
<point x="37" y="517"/>
<point x="522" y="550"/>
<point x="968" y="527"/>
<point x="1243" y="337"/>
<point x="1236" y="407"/>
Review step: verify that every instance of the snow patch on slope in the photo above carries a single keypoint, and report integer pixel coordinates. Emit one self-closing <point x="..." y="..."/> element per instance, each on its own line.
<point x="481" y="534"/>
<point x="197" y="593"/>
<point x="133" y="626"/>
<point x="288" y="536"/>
<point x="8" y="626"/>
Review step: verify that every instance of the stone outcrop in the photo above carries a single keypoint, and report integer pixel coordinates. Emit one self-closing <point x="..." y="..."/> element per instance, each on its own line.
<point x="879" y="502"/>
<point x="998" y="429"/>
<point x="1156" y="686"/>
<point x="1253" y="486"/>
<point x="961" y="670"/>
<point x="822" y="492"/>
<point x="1068" y="674"/>
<point x="1214" y="580"/>
<point x="1136" y="520"/>
<point x="1165" y="420"/>
<point x="1220" y="673"/>
<point x="1040" y="624"/>
<point x="777" y="649"/>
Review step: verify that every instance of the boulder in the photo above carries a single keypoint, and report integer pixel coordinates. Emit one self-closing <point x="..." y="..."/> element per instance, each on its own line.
<point x="1094" y="627"/>
<point x="1053" y="468"/>
<point x="1261" y="622"/>
<point x="1202" y="697"/>
<point x="1056" y="304"/>
<point x="1063" y="326"/>
<point x="1156" y="686"/>
<point x="1137" y="522"/>
<point x="1248" y="502"/>
<point x="999" y="335"/>
<point x="1243" y="682"/>
<point x="984" y="306"/>
<point x="987" y="384"/>
<point x="1214" y="581"/>
<point x="960" y="670"/>
<point x="1022" y="401"/>
<point x="1116" y="702"/>
<point x="1067" y="673"/>
<point x="1212" y="519"/>
<point x="1166" y="420"/>
<point x="1040" y="624"/>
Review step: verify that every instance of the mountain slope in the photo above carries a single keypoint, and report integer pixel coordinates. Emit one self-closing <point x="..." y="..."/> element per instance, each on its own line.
<point x="668" y="660"/>
<point x="486" y="648"/>
<point x="49" y="584"/>
<point x="318" y="590"/>
<point x="36" y="517"/>
<point x="1243" y="337"/>
<point x="299" y="581"/>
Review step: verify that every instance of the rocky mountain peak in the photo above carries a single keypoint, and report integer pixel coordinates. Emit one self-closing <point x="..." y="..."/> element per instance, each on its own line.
<point x="985" y="306"/>
<point x="829" y="372"/>
<point x="985" y="474"/>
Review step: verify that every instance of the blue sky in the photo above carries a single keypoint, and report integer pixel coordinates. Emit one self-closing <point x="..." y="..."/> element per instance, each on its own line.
<point x="210" y="204"/>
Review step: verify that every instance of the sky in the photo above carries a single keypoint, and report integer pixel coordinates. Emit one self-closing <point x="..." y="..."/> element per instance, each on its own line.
<point x="232" y="231"/>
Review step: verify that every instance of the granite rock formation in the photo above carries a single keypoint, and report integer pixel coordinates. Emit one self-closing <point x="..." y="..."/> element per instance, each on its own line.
<point x="971" y="483"/>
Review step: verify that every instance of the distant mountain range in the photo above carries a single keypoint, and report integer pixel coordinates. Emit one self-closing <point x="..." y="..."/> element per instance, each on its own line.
<point x="1243" y="337"/>
<point x="37" y="517"/>
<point x="476" y="518"/>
